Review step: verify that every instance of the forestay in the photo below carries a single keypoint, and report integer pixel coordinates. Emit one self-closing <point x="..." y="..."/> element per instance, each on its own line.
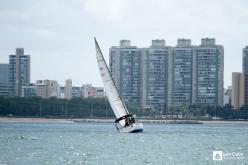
<point x="111" y="91"/>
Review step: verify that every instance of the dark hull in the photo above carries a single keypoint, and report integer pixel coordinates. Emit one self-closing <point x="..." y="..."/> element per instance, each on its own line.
<point x="137" y="131"/>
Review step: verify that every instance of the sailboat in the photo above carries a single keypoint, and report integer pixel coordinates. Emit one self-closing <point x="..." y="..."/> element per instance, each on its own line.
<point x="125" y="121"/>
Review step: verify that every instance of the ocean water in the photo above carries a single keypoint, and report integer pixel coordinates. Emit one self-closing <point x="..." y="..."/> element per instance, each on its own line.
<point x="90" y="143"/>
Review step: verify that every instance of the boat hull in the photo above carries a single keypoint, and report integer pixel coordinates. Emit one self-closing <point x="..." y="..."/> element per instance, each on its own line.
<point x="134" y="128"/>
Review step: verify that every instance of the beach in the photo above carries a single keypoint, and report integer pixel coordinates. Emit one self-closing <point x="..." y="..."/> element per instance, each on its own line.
<point x="97" y="120"/>
<point x="30" y="120"/>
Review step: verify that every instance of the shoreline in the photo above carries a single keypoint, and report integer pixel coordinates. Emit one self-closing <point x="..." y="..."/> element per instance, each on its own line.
<point x="35" y="120"/>
<point x="95" y="120"/>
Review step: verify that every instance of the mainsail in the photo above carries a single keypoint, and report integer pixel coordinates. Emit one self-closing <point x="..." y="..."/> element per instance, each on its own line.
<point x="114" y="98"/>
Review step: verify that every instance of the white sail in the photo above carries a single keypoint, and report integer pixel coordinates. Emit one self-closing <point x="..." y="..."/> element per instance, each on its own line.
<point x="113" y="96"/>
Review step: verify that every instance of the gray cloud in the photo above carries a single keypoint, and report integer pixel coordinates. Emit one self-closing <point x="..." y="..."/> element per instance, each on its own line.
<point x="59" y="34"/>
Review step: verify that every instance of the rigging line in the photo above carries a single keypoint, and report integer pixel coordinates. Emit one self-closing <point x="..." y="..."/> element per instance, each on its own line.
<point x="100" y="52"/>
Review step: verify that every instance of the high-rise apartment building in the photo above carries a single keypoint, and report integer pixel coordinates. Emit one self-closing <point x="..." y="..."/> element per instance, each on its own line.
<point x="245" y="71"/>
<point x="245" y="60"/>
<point x="209" y="73"/>
<point x="125" y="70"/>
<point x="161" y="76"/>
<point x="19" y="71"/>
<point x="4" y="79"/>
<point x="246" y="88"/>
<point x="68" y="89"/>
<point x="154" y="75"/>
<point x="182" y="74"/>
<point x="237" y="89"/>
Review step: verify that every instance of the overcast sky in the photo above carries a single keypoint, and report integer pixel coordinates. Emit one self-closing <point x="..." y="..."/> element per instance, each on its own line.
<point x="58" y="34"/>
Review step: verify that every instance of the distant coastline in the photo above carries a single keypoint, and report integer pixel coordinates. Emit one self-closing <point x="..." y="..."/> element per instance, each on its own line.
<point x="103" y="120"/>
<point x="31" y="119"/>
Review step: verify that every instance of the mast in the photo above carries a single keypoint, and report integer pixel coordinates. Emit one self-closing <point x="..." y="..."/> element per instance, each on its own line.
<point x="113" y="95"/>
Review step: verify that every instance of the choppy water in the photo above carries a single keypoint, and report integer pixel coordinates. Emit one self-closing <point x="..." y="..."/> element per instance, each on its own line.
<point x="89" y="143"/>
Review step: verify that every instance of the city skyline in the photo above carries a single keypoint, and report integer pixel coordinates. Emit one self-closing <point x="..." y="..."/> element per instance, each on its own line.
<point x="52" y="30"/>
<point x="161" y="76"/>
